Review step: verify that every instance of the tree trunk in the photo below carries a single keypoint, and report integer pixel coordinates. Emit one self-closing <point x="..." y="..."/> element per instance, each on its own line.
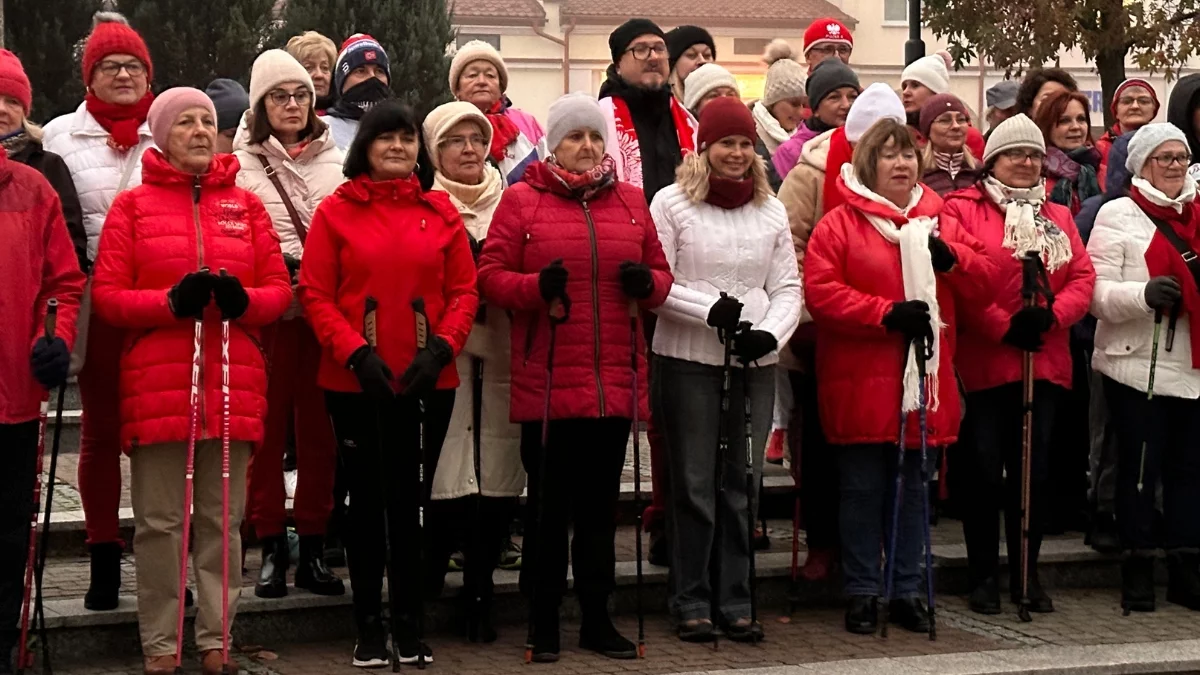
<point x="1110" y="64"/>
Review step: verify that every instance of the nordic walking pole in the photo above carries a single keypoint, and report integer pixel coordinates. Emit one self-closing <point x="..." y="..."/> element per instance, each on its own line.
<point x="925" y="352"/>
<point x="558" y="315"/>
<point x="748" y="434"/>
<point x="225" y="664"/>
<point x="371" y="335"/>
<point x="1150" y="391"/>
<point x="422" y="330"/>
<point x="39" y="609"/>
<point x="889" y="568"/>
<point x="793" y="590"/>
<point x="189" y="476"/>
<point x="480" y="531"/>
<point x="637" y="473"/>
<point x="722" y="452"/>
<point x="24" y="655"/>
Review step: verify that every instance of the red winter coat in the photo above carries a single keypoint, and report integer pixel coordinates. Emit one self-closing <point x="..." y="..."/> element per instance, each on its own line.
<point x="37" y="262"/>
<point x="393" y="242"/>
<point x="983" y="360"/>
<point x="153" y="235"/>
<point x="852" y="278"/>
<point x="537" y="222"/>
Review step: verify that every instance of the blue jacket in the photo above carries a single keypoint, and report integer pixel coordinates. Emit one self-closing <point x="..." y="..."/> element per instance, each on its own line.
<point x="1116" y="185"/>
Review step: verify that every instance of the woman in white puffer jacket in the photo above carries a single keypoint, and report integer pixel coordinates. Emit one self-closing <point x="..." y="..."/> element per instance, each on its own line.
<point x="1141" y="279"/>
<point x="723" y="232"/>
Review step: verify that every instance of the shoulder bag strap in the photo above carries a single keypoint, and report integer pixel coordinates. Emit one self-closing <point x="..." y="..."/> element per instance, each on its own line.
<point x="301" y="230"/>
<point x="1189" y="256"/>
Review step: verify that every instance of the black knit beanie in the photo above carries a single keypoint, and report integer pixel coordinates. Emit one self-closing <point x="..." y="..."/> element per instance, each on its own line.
<point x="620" y="39"/>
<point x="829" y="76"/>
<point x="681" y="38"/>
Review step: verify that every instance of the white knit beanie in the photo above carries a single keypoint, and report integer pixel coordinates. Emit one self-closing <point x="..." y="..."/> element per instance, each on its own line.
<point x="477" y="50"/>
<point x="1148" y="139"/>
<point x="877" y="102"/>
<point x="445" y="117"/>
<point x="704" y="79"/>
<point x="785" y="76"/>
<point x="273" y="68"/>
<point x="930" y="71"/>
<point x="571" y="112"/>
<point x="1017" y="131"/>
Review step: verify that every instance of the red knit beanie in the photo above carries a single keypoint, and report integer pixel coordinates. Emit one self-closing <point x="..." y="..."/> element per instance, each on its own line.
<point x="722" y="117"/>
<point x="112" y="34"/>
<point x="1134" y="82"/>
<point x="13" y="80"/>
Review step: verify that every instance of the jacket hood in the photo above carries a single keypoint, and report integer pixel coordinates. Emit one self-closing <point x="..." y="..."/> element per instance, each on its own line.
<point x="322" y="140"/>
<point x="924" y="202"/>
<point x="362" y="190"/>
<point x="1179" y="110"/>
<point x="816" y="150"/>
<point x="156" y="170"/>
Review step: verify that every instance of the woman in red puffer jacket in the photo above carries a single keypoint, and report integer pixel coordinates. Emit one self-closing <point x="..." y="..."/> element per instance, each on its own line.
<point x="571" y="233"/>
<point x="153" y="279"/>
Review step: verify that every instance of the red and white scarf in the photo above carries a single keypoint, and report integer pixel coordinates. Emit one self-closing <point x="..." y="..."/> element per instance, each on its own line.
<point x="628" y="152"/>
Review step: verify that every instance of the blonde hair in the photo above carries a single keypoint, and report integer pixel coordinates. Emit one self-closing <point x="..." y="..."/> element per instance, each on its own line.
<point x="33" y="131"/>
<point x="928" y="163"/>
<point x="311" y="44"/>
<point x="693" y="172"/>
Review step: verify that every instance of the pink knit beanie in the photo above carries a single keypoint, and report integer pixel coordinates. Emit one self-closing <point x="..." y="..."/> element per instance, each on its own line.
<point x="169" y="105"/>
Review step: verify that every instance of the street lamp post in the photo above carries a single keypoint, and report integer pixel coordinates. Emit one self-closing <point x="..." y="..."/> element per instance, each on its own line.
<point x="914" y="48"/>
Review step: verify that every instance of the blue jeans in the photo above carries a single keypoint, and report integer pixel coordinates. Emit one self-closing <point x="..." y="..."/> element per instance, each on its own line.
<point x="868" y="484"/>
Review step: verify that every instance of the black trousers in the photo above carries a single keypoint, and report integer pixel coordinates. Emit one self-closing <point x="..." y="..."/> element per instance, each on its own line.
<point x="1169" y="428"/>
<point x="990" y="449"/>
<point x="480" y="526"/>
<point x="18" y="459"/>
<point x="379" y="445"/>
<point x="1068" y="504"/>
<point x="583" y="462"/>
<point x="819" y="494"/>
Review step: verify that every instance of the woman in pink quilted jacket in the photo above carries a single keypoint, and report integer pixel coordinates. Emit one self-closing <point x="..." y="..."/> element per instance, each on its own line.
<point x="187" y="245"/>
<point x="571" y="233"/>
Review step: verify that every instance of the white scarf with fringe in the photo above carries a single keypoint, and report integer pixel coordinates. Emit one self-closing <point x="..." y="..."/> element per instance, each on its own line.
<point x="1025" y="228"/>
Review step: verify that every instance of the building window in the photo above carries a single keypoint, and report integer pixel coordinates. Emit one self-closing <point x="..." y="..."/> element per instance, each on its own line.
<point x="749" y="46"/>
<point x="464" y="38"/>
<point x="895" y="10"/>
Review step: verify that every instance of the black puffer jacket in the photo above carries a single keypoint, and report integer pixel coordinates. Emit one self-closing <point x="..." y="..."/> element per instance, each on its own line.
<point x="1180" y="110"/>
<point x="30" y="153"/>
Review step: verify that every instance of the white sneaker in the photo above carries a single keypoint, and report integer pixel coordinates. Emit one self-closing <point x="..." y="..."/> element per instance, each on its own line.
<point x="289" y="484"/>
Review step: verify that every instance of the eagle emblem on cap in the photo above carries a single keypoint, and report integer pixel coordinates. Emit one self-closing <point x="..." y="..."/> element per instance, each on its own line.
<point x="833" y="29"/>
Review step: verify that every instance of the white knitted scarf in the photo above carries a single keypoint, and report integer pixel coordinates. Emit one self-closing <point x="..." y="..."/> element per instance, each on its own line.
<point x="1025" y="228"/>
<point x="920" y="282"/>
<point x="769" y="129"/>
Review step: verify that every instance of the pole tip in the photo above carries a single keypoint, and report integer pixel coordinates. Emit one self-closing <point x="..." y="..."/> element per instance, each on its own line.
<point x="641" y="651"/>
<point x="529" y="655"/>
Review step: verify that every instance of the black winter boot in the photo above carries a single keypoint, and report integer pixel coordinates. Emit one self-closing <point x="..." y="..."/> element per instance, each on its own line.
<point x="862" y="614"/>
<point x="476" y="613"/>
<point x="546" y="635"/>
<point x="910" y="614"/>
<point x="1183" y="578"/>
<point x="985" y="599"/>
<point x="106" y="577"/>
<point x="311" y="572"/>
<point x="272" y="579"/>
<point x="1137" y="582"/>
<point x="1039" y="601"/>
<point x="597" y="632"/>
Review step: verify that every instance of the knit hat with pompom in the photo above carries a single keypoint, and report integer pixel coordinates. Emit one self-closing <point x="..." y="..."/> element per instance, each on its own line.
<point x="112" y="34"/>
<point x="785" y="75"/>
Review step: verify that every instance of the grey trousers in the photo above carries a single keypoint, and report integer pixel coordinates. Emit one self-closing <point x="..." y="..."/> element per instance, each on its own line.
<point x="687" y="397"/>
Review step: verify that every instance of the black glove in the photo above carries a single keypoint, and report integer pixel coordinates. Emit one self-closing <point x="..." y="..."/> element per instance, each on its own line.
<point x="422" y="374"/>
<point x="50" y="361"/>
<point x="751" y="345"/>
<point x="372" y="372"/>
<point x="552" y="281"/>
<point x="943" y="257"/>
<point x="725" y="313"/>
<point x="188" y="298"/>
<point x="230" y="296"/>
<point x="636" y="280"/>
<point x="910" y="318"/>
<point x="292" y="263"/>
<point x="1163" y="293"/>
<point x="1026" y="327"/>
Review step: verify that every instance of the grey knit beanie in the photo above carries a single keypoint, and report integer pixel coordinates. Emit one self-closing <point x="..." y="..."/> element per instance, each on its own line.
<point x="571" y="112"/>
<point x="829" y="76"/>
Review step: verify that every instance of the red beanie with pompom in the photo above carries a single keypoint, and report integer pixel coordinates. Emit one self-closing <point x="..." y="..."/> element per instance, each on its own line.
<point x="13" y="80"/>
<point x="112" y="34"/>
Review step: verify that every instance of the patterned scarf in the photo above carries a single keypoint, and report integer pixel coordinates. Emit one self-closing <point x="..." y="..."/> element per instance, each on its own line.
<point x="584" y="186"/>
<point x="504" y="131"/>
<point x="1025" y="228"/>
<point x="1076" y="175"/>
<point x="16" y="142"/>
<point x="120" y="121"/>
<point x="950" y="162"/>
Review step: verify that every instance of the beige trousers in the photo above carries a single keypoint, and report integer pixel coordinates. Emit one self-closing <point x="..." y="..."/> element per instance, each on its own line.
<point x="157" y="490"/>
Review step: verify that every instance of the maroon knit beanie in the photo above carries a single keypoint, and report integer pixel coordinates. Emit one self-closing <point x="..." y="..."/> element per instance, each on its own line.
<point x="724" y="116"/>
<point x="936" y="105"/>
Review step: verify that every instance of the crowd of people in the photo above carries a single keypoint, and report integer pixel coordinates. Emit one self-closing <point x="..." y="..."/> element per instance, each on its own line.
<point x="450" y="310"/>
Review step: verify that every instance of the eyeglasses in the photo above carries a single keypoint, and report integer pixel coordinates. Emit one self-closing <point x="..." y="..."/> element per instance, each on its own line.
<point x="951" y="120"/>
<point x="1142" y="101"/>
<point x="1021" y="156"/>
<point x="1165" y="161"/>
<point x="460" y="142"/>
<point x="830" y="50"/>
<point x="281" y="98"/>
<point x="642" y="52"/>
<point x="113" y="68"/>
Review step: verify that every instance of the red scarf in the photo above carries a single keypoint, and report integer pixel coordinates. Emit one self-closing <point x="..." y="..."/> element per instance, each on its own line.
<point x="627" y="139"/>
<point x="585" y="185"/>
<point x="1163" y="260"/>
<point x="504" y="131"/>
<point x="726" y="193"/>
<point x="840" y="153"/>
<point x="120" y="121"/>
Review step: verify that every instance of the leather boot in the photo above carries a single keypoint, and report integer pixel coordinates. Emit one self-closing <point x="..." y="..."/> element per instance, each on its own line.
<point x="106" y="576"/>
<point x="158" y="665"/>
<point x="272" y="580"/>
<point x="1183" y="578"/>
<point x="546" y="634"/>
<point x="597" y="632"/>
<point x="862" y="615"/>
<point x="1137" y="582"/>
<point x="311" y="572"/>
<point x="211" y="664"/>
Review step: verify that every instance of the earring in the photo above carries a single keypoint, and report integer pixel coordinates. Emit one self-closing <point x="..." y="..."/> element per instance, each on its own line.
<point x="417" y="167"/>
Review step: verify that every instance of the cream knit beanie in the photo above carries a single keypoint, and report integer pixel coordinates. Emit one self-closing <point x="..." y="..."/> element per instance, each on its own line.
<point x="785" y="75"/>
<point x="876" y="102"/>
<point x="273" y="68"/>
<point x="704" y="79"/>
<point x="445" y="117"/>
<point x="1017" y="131"/>
<point x="930" y="71"/>
<point x="477" y="50"/>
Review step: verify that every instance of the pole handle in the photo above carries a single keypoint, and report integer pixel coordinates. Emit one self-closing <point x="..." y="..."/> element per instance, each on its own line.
<point x="370" y="329"/>
<point x="422" y="322"/>
<point x="51" y="318"/>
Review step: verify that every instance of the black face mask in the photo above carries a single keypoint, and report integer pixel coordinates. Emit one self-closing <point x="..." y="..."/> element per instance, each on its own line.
<point x="357" y="100"/>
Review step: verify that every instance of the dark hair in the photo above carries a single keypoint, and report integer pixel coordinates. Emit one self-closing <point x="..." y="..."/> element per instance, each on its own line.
<point x="1055" y="107"/>
<point x="383" y="118"/>
<point x="870" y="146"/>
<point x="260" y="124"/>
<point x="1034" y="81"/>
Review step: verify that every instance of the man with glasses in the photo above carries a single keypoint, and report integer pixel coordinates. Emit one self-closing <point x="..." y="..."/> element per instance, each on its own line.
<point x="649" y="129"/>
<point x="102" y="143"/>
<point x="827" y="38"/>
